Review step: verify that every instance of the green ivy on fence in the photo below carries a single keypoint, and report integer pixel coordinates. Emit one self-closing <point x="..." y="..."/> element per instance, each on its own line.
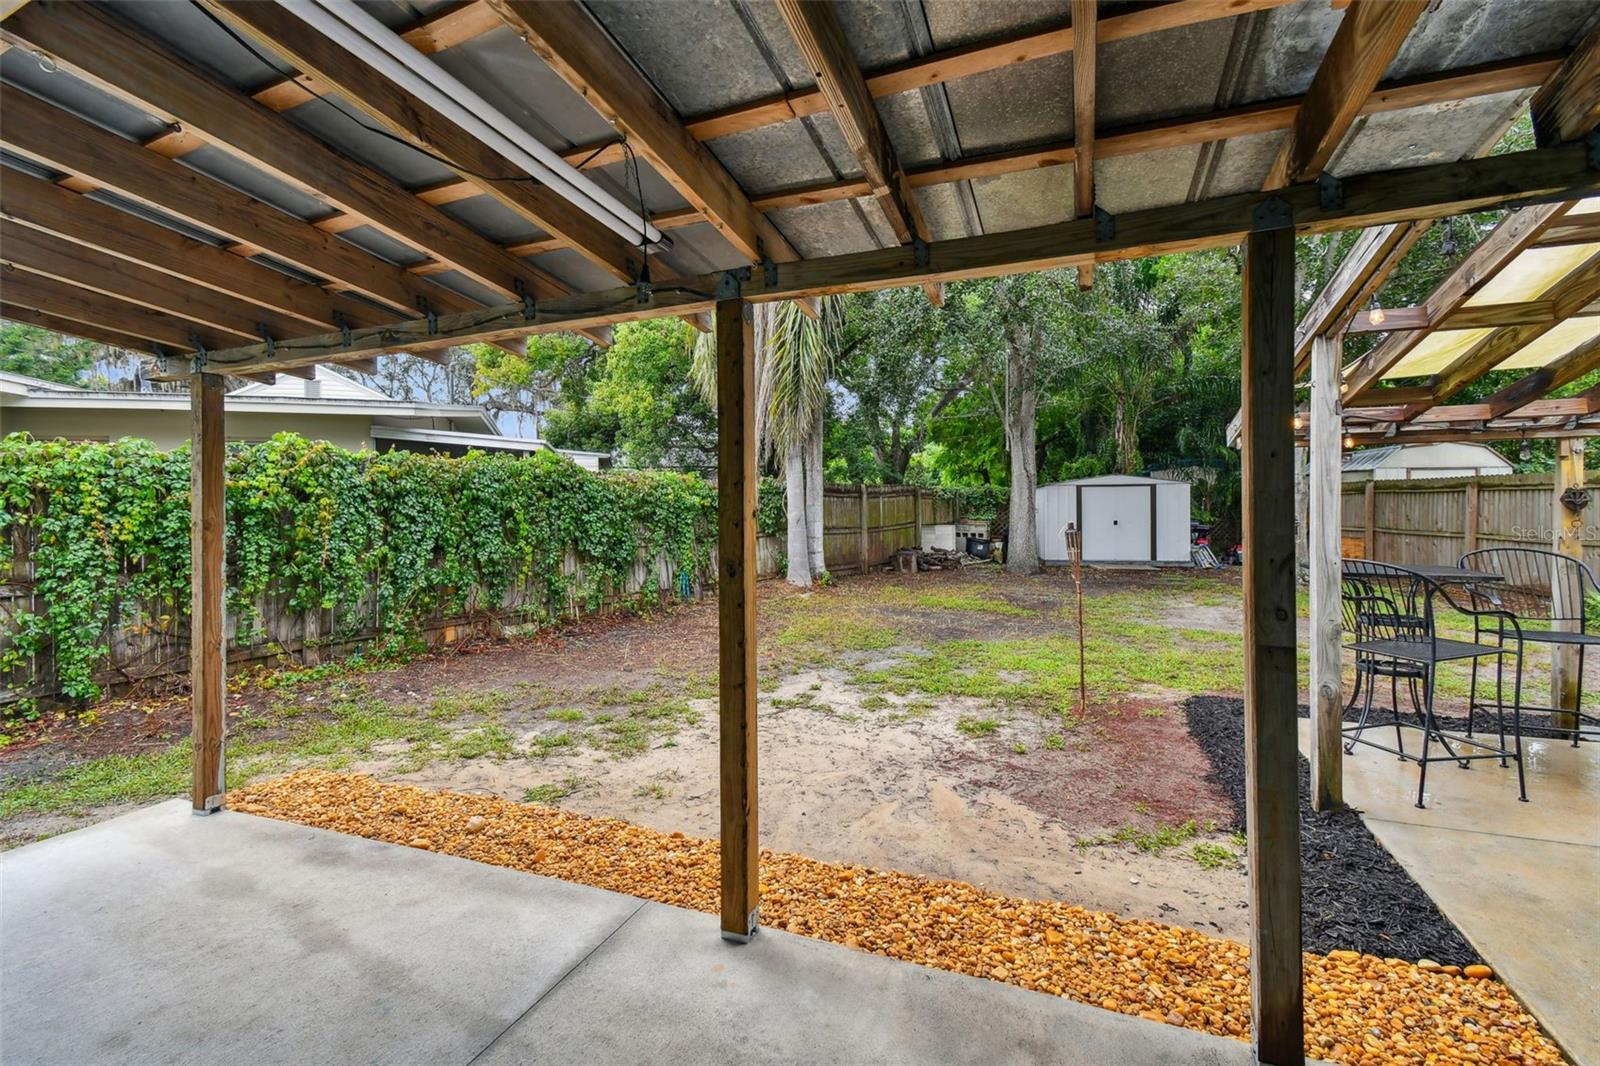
<point x="397" y="538"/>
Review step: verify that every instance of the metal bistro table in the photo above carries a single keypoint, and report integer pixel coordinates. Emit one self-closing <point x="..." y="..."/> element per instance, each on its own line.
<point x="1389" y="616"/>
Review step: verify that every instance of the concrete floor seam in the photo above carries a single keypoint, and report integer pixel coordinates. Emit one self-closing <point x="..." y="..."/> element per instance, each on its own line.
<point x="1479" y="832"/>
<point x="557" y="983"/>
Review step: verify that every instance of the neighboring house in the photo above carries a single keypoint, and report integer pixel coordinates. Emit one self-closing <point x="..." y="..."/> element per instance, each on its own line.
<point x="328" y="407"/>
<point x="1409" y="462"/>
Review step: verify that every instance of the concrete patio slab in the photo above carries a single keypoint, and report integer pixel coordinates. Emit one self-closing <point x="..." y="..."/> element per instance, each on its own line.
<point x="1518" y="879"/>
<point x="162" y="937"/>
<point x="158" y="936"/>
<point x="663" y="989"/>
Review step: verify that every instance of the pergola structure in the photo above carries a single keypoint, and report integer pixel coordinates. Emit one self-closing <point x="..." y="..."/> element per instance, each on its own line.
<point x="253" y="188"/>
<point x="1525" y="298"/>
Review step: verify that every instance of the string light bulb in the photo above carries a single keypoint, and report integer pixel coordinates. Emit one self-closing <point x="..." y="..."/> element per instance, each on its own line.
<point x="1525" y="453"/>
<point x="1448" y="246"/>
<point x="1349" y="442"/>
<point x="1374" y="312"/>
<point x="1296" y="421"/>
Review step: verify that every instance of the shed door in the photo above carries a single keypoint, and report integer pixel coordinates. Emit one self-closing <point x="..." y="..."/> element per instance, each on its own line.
<point x="1117" y="523"/>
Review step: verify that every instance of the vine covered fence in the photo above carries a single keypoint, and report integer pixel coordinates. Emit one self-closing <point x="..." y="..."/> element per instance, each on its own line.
<point x="326" y="549"/>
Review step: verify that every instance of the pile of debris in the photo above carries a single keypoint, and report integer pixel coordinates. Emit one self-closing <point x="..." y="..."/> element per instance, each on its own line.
<point x="931" y="559"/>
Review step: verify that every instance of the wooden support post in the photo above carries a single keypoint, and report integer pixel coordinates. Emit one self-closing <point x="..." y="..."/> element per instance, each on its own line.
<point x="1369" y="518"/>
<point x="1327" y="692"/>
<point x="916" y="501"/>
<point x="736" y="617"/>
<point x="1271" y="723"/>
<point x="207" y="490"/>
<point x="1473" y="504"/>
<point x="864" y="530"/>
<point x="1568" y="527"/>
<point x="1302" y="513"/>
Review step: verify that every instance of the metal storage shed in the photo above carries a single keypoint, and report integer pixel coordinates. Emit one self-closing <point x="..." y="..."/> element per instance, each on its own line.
<point x="1125" y="519"/>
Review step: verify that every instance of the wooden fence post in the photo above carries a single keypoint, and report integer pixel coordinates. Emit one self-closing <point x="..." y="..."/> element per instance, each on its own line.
<point x="1568" y="540"/>
<point x="864" y="525"/>
<point x="916" y="501"/>
<point x="207" y="494"/>
<point x="1272" y="756"/>
<point x="1473" y="507"/>
<point x="736" y="617"/>
<point x="1322" y="543"/>
<point x="1369" y="519"/>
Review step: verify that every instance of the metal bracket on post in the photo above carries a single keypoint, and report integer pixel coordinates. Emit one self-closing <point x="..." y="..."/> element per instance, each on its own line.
<point x="1105" y="224"/>
<point x="921" y="252"/>
<point x="1272" y="213"/>
<point x="342" y="324"/>
<point x="529" y="311"/>
<point x="752" y="925"/>
<point x="769" y="269"/>
<point x="1330" y="192"/>
<point x="197" y="361"/>
<point x="429" y="313"/>
<point x="730" y="284"/>
<point x="161" y="357"/>
<point x="266" y="338"/>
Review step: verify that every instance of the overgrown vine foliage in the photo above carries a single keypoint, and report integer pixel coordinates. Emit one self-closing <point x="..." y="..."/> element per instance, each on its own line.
<point x="382" y="542"/>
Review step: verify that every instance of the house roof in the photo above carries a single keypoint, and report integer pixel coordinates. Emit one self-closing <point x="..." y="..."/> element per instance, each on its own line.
<point x="342" y="397"/>
<point x="933" y="121"/>
<point x="1395" y="454"/>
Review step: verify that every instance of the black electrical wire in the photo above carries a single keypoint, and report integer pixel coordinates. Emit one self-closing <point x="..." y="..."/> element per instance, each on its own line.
<point x="245" y="43"/>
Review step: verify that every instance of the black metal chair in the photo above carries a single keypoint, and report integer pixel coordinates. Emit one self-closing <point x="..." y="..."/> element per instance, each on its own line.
<point x="1390" y="625"/>
<point x="1548" y="592"/>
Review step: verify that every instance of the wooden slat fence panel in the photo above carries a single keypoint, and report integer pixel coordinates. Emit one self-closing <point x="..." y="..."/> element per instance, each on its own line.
<point x="1424" y="522"/>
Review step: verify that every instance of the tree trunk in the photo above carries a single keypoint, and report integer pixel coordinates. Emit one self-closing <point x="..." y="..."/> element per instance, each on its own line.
<point x="799" y="550"/>
<point x="1022" y="403"/>
<point x="1126" y="431"/>
<point x="813" y="466"/>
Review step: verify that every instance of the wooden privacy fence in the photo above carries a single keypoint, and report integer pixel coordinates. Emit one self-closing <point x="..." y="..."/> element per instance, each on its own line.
<point x="869" y="522"/>
<point x="1436" y="521"/>
<point x="146" y="639"/>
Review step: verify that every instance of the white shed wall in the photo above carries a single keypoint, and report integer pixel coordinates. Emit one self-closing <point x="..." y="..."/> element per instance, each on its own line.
<point x="1117" y="523"/>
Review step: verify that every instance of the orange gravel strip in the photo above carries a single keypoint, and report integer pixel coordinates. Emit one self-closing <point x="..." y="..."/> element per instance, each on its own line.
<point x="1359" y="1008"/>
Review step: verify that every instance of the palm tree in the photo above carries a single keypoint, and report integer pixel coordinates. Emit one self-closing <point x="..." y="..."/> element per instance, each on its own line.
<point x="794" y="355"/>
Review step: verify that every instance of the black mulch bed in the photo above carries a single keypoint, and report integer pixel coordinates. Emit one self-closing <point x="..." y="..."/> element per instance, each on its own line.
<point x="1355" y="896"/>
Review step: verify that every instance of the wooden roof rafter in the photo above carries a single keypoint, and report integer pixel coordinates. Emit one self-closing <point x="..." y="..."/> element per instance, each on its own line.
<point x="118" y="59"/>
<point x="1085" y="30"/>
<point x="816" y="29"/>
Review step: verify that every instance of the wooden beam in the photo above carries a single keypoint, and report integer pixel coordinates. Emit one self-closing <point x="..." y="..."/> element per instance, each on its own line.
<point x="1573" y="291"/>
<point x="1434" y="434"/>
<point x="1364" y="268"/>
<point x="1514" y="233"/>
<point x="207" y="673"/>
<point x="1389" y="320"/>
<point x="67" y="327"/>
<point x="1518" y="395"/>
<point x="24" y="289"/>
<point x="1429" y="192"/>
<point x="822" y="42"/>
<point x="1567" y="107"/>
<point x="99" y="159"/>
<point x="114" y="57"/>
<point x="1445" y="414"/>
<point x="33" y="202"/>
<point x="74" y="264"/>
<point x="567" y="38"/>
<point x="1575" y="229"/>
<point x="1272" y="753"/>
<point x="736" y="617"/>
<point x="1327" y="683"/>
<point x="1084" y="31"/>
<point x="423" y="126"/>
<point x="1368" y="38"/>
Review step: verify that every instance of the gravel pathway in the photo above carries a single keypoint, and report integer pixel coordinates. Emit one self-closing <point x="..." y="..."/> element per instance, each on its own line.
<point x="1354" y="894"/>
